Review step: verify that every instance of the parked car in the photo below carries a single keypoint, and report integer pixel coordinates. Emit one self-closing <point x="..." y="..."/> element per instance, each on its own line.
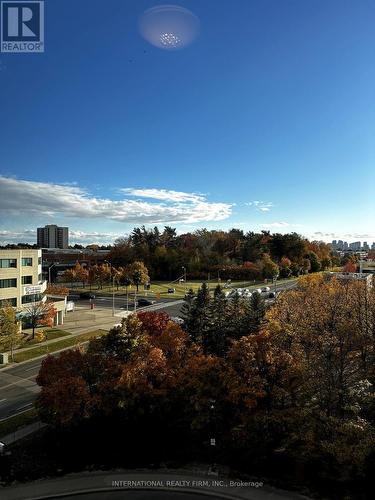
<point x="145" y="302"/>
<point x="177" y="320"/>
<point x="171" y="290"/>
<point x="86" y="295"/>
<point x="258" y="290"/>
<point x="266" y="289"/>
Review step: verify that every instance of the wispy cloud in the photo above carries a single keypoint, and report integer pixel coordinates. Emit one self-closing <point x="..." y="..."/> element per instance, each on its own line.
<point x="345" y="236"/>
<point x="29" y="236"/>
<point x="261" y="206"/>
<point x="40" y="198"/>
<point x="164" y="195"/>
<point x="271" y="225"/>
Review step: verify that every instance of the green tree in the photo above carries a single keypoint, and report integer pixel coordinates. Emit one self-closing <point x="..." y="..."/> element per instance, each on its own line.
<point x="315" y="265"/>
<point x="197" y="315"/>
<point x="138" y="273"/>
<point x="216" y="340"/>
<point x="255" y="310"/>
<point x="270" y="268"/>
<point x="121" y="341"/>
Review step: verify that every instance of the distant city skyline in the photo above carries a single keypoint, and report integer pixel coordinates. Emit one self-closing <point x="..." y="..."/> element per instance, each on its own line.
<point x="263" y="122"/>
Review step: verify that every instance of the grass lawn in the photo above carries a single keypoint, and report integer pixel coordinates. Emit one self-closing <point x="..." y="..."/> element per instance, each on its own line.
<point x="14" y="423"/>
<point x="161" y="287"/>
<point x="51" y="334"/>
<point x="56" y="346"/>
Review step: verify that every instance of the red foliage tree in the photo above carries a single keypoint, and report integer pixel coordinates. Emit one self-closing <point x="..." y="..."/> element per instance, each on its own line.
<point x="154" y="323"/>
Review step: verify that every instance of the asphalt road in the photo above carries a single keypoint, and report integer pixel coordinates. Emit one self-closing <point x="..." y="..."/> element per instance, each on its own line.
<point x="18" y="387"/>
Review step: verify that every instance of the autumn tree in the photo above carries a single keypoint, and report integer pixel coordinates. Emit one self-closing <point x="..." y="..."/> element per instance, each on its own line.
<point x="58" y="290"/>
<point x="69" y="276"/>
<point x="81" y="274"/>
<point x="10" y="336"/>
<point x="153" y="323"/>
<point x="40" y="313"/>
<point x="350" y="267"/>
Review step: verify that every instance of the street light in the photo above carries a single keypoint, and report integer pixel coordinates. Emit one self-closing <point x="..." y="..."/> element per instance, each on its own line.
<point x="49" y="272"/>
<point x="112" y="278"/>
<point x="184" y="269"/>
<point x="275" y="282"/>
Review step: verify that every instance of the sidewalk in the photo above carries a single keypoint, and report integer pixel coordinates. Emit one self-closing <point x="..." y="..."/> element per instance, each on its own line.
<point x="80" y="321"/>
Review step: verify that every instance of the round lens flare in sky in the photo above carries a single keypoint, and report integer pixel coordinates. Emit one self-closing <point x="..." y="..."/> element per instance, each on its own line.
<point x="169" y="27"/>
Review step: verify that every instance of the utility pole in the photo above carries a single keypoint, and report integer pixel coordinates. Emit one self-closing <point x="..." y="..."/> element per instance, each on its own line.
<point x="184" y="269"/>
<point x="112" y="279"/>
<point x="49" y="272"/>
<point x="113" y="295"/>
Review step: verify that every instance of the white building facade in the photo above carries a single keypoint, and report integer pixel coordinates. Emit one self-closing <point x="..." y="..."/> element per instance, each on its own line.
<point x="21" y="281"/>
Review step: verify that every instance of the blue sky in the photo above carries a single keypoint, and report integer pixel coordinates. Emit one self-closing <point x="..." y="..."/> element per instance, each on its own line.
<point x="265" y="121"/>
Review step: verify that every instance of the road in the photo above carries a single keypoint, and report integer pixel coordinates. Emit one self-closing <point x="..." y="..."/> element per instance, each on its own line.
<point x="18" y="388"/>
<point x="145" y="485"/>
<point x="168" y="304"/>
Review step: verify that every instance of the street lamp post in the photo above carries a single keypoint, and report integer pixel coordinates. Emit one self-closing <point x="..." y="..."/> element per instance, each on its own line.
<point x="275" y="282"/>
<point x="49" y="272"/>
<point x="112" y="278"/>
<point x="184" y="269"/>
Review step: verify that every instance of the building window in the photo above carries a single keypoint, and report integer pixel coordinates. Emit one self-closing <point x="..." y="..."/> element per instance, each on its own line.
<point x="40" y="260"/>
<point x="10" y="283"/>
<point x="27" y="261"/>
<point x="5" y="263"/>
<point x="27" y="280"/>
<point x="27" y="299"/>
<point x="7" y="302"/>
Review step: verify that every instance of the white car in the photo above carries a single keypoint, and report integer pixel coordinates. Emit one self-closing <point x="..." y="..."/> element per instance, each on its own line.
<point x="266" y="289"/>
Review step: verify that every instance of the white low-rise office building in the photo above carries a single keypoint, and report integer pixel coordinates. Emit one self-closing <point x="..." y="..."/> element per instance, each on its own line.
<point x="21" y="281"/>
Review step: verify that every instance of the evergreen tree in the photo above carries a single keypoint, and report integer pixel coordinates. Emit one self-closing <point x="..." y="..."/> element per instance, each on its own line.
<point x="217" y="337"/>
<point x="196" y="314"/>
<point x="255" y="310"/>
<point x="235" y="315"/>
<point x="188" y="310"/>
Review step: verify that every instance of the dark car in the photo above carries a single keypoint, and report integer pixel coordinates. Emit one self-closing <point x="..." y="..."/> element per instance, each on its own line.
<point x="171" y="290"/>
<point x="145" y="302"/>
<point x="86" y="295"/>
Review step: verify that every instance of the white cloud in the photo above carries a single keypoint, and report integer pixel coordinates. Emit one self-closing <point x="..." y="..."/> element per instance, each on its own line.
<point x="279" y="225"/>
<point x="82" y="237"/>
<point x="261" y="206"/>
<point x="39" y="198"/>
<point x="164" y="195"/>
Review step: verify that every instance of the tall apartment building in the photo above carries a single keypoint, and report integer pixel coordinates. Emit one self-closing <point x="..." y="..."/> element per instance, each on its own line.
<point x="21" y="277"/>
<point x="52" y="236"/>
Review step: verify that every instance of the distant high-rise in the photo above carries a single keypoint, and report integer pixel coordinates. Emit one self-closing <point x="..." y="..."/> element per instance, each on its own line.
<point x="52" y="236"/>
